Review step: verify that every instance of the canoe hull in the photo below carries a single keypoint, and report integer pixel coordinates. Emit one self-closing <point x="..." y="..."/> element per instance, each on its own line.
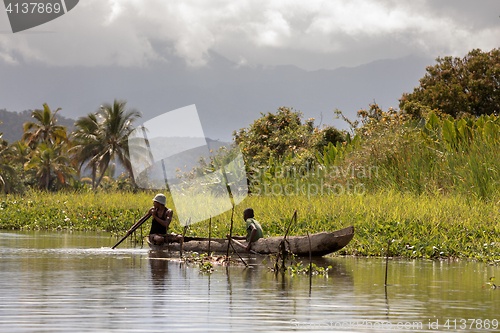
<point x="321" y="244"/>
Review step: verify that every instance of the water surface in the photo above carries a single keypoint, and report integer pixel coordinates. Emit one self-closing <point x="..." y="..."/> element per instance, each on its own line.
<point x="60" y="282"/>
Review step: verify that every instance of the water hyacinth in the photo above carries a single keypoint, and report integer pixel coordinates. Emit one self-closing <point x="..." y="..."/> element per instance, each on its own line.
<point x="419" y="226"/>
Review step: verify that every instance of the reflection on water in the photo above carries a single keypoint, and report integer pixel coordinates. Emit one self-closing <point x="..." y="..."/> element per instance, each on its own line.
<point x="54" y="282"/>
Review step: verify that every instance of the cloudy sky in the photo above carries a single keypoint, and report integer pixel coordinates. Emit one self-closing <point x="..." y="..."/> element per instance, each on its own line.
<point x="312" y="35"/>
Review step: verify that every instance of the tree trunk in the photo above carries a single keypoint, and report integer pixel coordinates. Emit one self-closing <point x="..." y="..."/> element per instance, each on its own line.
<point x="94" y="171"/>
<point x="102" y="175"/>
<point x="128" y="167"/>
<point x="47" y="180"/>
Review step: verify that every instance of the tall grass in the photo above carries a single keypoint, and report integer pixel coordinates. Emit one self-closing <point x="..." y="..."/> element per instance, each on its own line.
<point x="430" y="191"/>
<point x="476" y="170"/>
<point x="73" y="211"/>
<point x="429" y="157"/>
<point x="406" y="161"/>
<point x="421" y="226"/>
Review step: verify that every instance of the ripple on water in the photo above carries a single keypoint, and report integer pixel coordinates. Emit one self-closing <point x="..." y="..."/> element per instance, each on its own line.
<point x="80" y="287"/>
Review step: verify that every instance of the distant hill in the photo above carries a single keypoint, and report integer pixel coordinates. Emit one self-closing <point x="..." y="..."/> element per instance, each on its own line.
<point x="12" y="128"/>
<point x="12" y="123"/>
<point x="227" y="96"/>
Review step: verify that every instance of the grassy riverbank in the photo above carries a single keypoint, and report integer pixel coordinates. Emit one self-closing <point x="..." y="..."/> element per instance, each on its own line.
<point x="421" y="226"/>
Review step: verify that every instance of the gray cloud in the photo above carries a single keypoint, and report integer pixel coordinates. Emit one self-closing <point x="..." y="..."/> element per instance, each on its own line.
<point x="310" y="34"/>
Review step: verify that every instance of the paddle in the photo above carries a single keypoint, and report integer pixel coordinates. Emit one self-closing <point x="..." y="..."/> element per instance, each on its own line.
<point x="243" y="246"/>
<point x="133" y="228"/>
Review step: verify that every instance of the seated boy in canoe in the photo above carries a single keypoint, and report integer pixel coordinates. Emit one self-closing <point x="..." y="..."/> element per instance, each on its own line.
<point x="162" y="216"/>
<point x="254" y="230"/>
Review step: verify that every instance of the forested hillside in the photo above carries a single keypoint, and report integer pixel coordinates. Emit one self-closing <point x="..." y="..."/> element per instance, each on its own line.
<point x="12" y="123"/>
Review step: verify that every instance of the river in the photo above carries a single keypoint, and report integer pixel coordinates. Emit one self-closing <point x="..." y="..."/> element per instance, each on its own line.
<point x="62" y="282"/>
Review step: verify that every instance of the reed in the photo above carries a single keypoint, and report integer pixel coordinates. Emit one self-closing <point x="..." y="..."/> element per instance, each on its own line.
<point x="114" y="212"/>
<point x="421" y="225"/>
<point x="428" y="159"/>
<point x="431" y="156"/>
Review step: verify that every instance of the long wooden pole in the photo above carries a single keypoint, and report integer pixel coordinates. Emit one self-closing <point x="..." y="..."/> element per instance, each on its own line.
<point x="133" y="228"/>
<point x="139" y="223"/>
<point x="310" y="263"/>
<point x="294" y="216"/>
<point x="182" y="240"/>
<point x="142" y="238"/>
<point x="209" y="234"/>
<point x="243" y="261"/>
<point x="230" y="233"/>
<point x="282" y="244"/>
<point x="387" y="260"/>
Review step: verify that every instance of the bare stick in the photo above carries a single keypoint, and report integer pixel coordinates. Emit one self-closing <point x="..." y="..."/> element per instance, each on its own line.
<point x="294" y="216"/>
<point x="230" y="233"/>
<point x="209" y="234"/>
<point x="243" y="261"/>
<point x="142" y="238"/>
<point x="387" y="260"/>
<point x="182" y="240"/>
<point x="310" y="264"/>
<point x="282" y="245"/>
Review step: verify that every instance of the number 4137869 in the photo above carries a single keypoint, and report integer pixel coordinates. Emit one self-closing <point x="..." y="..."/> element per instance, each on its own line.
<point x="33" y="7"/>
<point x="471" y="324"/>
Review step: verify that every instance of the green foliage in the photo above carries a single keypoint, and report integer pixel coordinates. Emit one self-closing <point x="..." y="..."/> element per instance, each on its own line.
<point x="420" y="226"/>
<point x="5" y="169"/>
<point x="282" y="153"/>
<point x="375" y="121"/>
<point x="284" y="137"/>
<point x="85" y="211"/>
<point x="434" y="154"/>
<point x="112" y="137"/>
<point x="458" y="85"/>
<point x="49" y="162"/>
<point x="12" y="126"/>
<point x="300" y="269"/>
<point x="206" y="262"/>
<point x="45" y="151"/>
<point x="333" y="153"/>
<point x="206" y="267"/>
<point x="87" y="143"/>
<point x="41" y="160"/>
<point x="273" y="134"/>
<point x="491" y="283"/>
<point x="45" y="129"/>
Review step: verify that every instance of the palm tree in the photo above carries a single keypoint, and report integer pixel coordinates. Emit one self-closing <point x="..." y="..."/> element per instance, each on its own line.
<point x="19" y="152"/>
<point x="87" y="143"/>
<point x="45" y="128"/>
<point x="5" y="168"/>
<point x="46" y="161"/>
<point x="115" y="128"/>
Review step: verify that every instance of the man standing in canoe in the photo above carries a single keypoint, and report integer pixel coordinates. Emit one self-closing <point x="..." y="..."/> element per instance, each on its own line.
<point x="162" y="216"/>
<point x="254" y="230"/>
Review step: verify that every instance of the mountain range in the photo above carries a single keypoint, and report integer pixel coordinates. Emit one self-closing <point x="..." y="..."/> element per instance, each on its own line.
<point x="227" y="96"/>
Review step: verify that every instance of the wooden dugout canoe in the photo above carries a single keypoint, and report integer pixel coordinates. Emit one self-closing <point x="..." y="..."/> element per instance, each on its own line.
<point x="321" y="244"/>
